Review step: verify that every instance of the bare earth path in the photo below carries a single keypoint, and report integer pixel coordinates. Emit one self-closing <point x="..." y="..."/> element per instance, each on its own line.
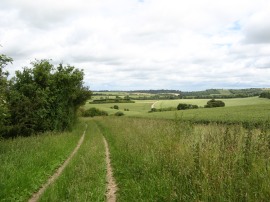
<point x="37" y="195"/>
<point x="153" y="105"/>
<point x="111" y="185"/>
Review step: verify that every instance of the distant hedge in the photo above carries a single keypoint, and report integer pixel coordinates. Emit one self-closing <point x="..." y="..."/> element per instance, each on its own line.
<point x="94" y="112"/>
<point x="105" y="101"/>
<point x="183" y="106"/>
<point x="214" y="103"/>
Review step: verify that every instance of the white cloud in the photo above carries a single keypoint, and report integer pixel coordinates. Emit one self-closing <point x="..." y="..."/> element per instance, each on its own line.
<point x="131" y="44"/>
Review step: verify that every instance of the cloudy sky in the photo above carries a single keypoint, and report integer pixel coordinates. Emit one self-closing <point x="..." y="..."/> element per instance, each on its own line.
<point x="144" y="44"/>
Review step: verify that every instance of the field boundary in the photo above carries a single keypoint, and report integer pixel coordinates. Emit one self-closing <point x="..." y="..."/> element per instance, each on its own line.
<point x="35" y="197"/>
<point x="111" y="184"/>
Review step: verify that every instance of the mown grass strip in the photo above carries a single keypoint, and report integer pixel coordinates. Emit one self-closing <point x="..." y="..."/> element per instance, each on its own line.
<point x="27" y="162"/>
<point x="84" y="179"/>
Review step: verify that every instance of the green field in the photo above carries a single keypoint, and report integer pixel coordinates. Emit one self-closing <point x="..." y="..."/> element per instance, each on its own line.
<point x="158" y="156"/>
<point x="170" y="160"/>
<point x="237" y="110"/>
<point x="202" y="102"/>
<point x="135" y="109"/>
<point x="26" y="162"/>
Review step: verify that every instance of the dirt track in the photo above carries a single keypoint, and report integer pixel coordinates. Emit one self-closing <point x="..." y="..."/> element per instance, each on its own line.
<point x="58" y="172"/>
<point x="111" y="185"/>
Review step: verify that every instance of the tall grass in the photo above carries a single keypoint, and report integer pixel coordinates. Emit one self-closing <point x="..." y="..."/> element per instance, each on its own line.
<point x="27" y="162"/>
<point x="165" y="160"/>
<point x="84" y="179"/>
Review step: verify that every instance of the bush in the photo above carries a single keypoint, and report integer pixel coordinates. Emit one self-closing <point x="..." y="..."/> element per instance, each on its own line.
<point x="214" y="103"/>
<point x="115" y="107"/>
<point x="183" y="106"/>
<point x="119" y="113"/>
<point x="94" y="112"/>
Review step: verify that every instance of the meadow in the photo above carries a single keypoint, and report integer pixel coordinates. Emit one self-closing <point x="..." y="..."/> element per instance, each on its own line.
<point x="27" y="162"/>
<point x="170" y="160"/>
<point x="158" y="156"/>
<point x="252" y="110"/>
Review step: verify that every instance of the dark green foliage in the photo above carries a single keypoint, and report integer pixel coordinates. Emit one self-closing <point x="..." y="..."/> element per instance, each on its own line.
<point x="104" y="101"/>
<point x="116" y="107"/>
<point x="214" y="103"/>
<point x="4" y="113"/>
<point x="119" y="113"/>
<point x="265" y="94"/>
<point x="163" y="109"/>
<point x="94" y="112"/>
<point x="45" y="98"/>
<point x="183" y="106"/>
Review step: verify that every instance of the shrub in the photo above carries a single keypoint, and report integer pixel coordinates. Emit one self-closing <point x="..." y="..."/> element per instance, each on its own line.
<point x="119" y="113"/>
<point x="214" y="103"/>
<point x="94" y="112"/>
<point x="183" y="106"/>
<point x="115" y="107"/>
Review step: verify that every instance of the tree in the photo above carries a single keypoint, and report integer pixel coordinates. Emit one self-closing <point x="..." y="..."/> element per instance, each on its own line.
<point x="182" y="106"/>
<point x="45" y="98"/>
<point x="4" y="113"/>
<point x="214" y="103"/>
<point x="265" y="94"/>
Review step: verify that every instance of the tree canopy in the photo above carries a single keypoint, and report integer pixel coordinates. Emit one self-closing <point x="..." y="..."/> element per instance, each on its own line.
<point x="44" y="97"/>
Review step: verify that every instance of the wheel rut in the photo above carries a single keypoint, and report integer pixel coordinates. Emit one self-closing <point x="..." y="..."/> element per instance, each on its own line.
<point x="35" y="197"/>
<point x="111" y="183"/>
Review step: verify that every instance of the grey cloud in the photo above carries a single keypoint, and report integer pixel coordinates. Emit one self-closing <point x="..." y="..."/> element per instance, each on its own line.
<point x="258" y="34"/>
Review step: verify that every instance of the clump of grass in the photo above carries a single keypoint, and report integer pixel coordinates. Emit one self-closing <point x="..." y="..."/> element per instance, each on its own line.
<point x="163" y="160"/>
<point x="27" y="162"/>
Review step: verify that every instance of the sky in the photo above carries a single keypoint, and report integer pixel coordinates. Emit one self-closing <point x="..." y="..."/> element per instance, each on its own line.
<point x="144" y="44"/>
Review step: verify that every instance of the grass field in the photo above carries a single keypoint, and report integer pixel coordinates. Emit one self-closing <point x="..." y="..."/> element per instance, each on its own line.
<point x="158" y="156"/>
<point x="26" y="162"/>
<point x="202" y="102"/>
<point x="166" y="160"/>
<point x="238" y="110"/>
<point x="84" y="179"/>
<point x="135" y="109"/>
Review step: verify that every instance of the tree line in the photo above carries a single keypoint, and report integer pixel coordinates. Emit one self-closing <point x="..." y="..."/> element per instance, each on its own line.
<point x="40" y="98"/>
<point x="265" y="94"/>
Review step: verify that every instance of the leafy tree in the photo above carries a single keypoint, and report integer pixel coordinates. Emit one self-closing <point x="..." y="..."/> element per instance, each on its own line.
<point x="119" y="113"/>
<point x="182" y="106"/>
<point x="91" y="112"/>
<point x="265" y="94"/>
<point x="45" y="98"/>
<point x="4" y="113"/>
<point x="214" y="103"/>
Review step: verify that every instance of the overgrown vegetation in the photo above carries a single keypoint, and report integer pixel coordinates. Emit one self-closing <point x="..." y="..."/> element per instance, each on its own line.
<point x="183" y="106"/>
<point x="265" y="94"/>
<point x="91" y="112"/>
<point x="4" y="112"/>
<point x="117" y="100"/>
<point x="159" y="160"/>
<point x="214" y="103"/>
<point x="162" y="109"/>
<point x="119" y="113"/>
<point x="41" y="98"/>
<point x="26" y="162"/>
